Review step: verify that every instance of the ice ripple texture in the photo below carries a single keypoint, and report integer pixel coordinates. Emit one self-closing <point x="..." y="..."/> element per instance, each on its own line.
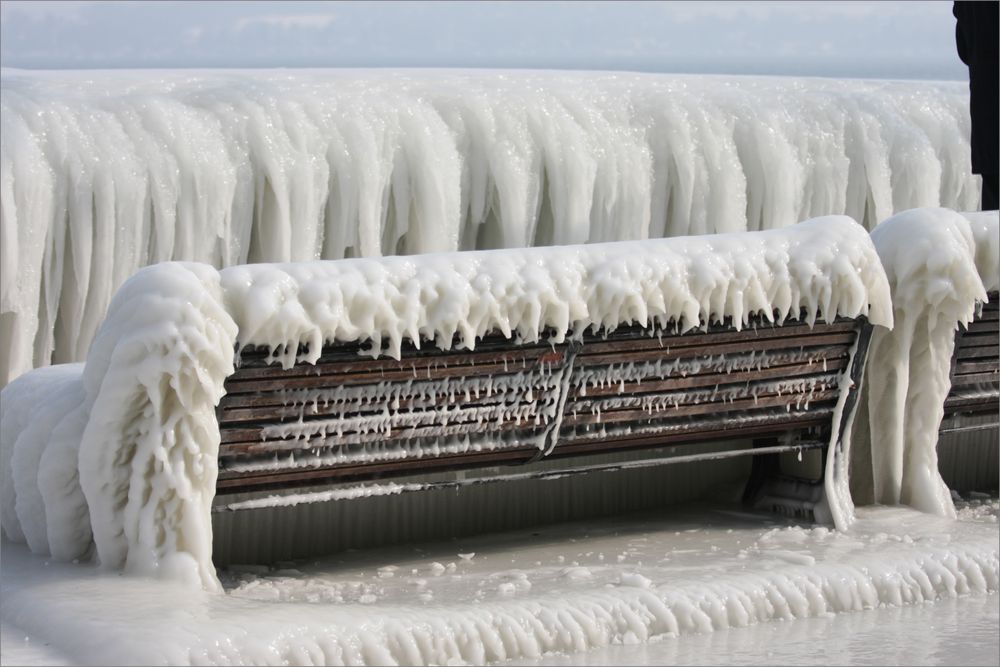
<point x="105" y="172"/>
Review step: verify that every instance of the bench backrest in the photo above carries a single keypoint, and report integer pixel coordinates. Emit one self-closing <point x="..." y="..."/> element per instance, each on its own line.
<point x="350" y="418"/>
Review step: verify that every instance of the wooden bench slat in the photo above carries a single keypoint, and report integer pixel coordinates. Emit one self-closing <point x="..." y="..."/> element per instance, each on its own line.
<point x="612" y="416"/>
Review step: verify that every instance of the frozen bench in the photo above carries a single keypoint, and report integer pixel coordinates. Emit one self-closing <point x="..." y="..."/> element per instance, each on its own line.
<point x="349" y="419"/>
<point x="272" y="385"/>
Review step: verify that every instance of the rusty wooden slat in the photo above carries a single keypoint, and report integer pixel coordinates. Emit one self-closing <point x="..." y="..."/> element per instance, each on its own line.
<point x="698" y="339"/>
<point x="252" y="442"/>
<point x="278" y="413"/>
<point x="278" y="382"/>
<point x="980" y="326"/>
<point x="511" y="356"/>
<point x="976" y="367"/>
<point x="264" y="480"/>
<point x="458" y="421"/>
<point x="980" y="403"/>
<point x="722" y="379"/>
<point x="975" y="378"/>
<point x="574" y="444"/>
<point x="287" y="479"/>
<point x="253" y="357"/>
<point x="832" y="343"/>
<point x="977" y="352"/>
<point x="979" y="338"/>
<point x="632" y="415"/>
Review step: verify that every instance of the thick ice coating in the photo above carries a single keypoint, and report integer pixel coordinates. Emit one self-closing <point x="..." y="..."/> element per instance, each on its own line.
<point x="939" y="264"/>
<point x="148" y="455"/>
<point x="822" y="266"/>
<point x="105" y="173"/>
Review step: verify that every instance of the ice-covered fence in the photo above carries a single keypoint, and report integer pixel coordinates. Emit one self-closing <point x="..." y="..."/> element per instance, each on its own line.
<point x="105" y="172"/>
<point x="940" y="264"/>
<point x="124" y="451"/>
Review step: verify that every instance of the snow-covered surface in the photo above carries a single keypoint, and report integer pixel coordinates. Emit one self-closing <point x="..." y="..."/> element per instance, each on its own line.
<point x="939" y="264"/>
<point x="821" y="266"/>
<point x="670" y="578"/>
<point x="105" y="172"/>
<point x="148" y="455"/>
<point x="959" y="631"/>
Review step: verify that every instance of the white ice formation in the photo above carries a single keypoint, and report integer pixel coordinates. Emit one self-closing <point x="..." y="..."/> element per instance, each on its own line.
<point x="148" y="454"/>
<point x="101" y="174"/>
<point x="940" y="264"/>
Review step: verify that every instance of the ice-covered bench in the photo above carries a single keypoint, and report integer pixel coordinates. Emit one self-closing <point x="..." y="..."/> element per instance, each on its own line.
<point x="353" y="377"/>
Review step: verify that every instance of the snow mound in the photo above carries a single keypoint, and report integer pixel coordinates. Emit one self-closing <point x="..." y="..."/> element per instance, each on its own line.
<point x="105" y="173"/>
<point x="148" y="455"/>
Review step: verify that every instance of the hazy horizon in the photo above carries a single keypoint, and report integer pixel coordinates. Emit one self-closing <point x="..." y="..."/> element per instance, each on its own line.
<point x="838" y="39"/>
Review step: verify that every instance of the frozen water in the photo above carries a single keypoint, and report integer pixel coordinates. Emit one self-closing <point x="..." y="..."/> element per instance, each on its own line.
<point x="940" y="264"/>
<point x="674" y="578"/>
<point x="105" y="172"/>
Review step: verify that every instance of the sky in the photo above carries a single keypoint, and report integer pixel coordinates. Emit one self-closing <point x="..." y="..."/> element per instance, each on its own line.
<point x="838" y="38"/>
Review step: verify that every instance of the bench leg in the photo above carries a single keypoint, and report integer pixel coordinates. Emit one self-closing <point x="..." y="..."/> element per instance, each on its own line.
<point x="768" y="488"/>
<point x="762" y="467"/>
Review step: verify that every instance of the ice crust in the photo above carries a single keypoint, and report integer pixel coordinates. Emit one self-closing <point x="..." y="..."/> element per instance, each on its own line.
<point x="940" y="265"/>
<point x="105" y="173"/>
<point x="148" y="455"/>
<point x="521" y="597"/>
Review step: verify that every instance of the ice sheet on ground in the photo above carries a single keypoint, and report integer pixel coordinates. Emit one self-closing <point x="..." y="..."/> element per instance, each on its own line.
<point x="564" y="589"/>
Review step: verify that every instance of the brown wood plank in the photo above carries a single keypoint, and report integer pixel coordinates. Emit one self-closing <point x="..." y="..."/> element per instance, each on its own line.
<point x="677" y="400"/>
<point x="717" y="378"/>
<point x="979" y="338"/>
<point x="977" y="352"/>
<point x="239" y="482"/>
<point x="975" y="378"/>
<point x="357" y="365"/>
<point x="979" y="326"/>
<point x="826" y="344"/>
<point x="964" y="367"/>
<point x="632" y="415"/>
<point x="571" y="444"/>
<point x="283" y="479"/>
<point x="698" y="339"/>
<point x="236" y="385"/>
<point x="249" y="440"/>
<point x="280" y="413"/>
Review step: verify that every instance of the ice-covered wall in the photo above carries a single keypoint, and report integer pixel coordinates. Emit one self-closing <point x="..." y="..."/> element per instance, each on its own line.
<point x="147" y="459"/>
<point x="939" y="264"/>
<point x="104" y="172"/>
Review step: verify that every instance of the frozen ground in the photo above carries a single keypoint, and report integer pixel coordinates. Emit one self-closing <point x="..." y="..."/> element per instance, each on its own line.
<point x="592" y="586"/>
